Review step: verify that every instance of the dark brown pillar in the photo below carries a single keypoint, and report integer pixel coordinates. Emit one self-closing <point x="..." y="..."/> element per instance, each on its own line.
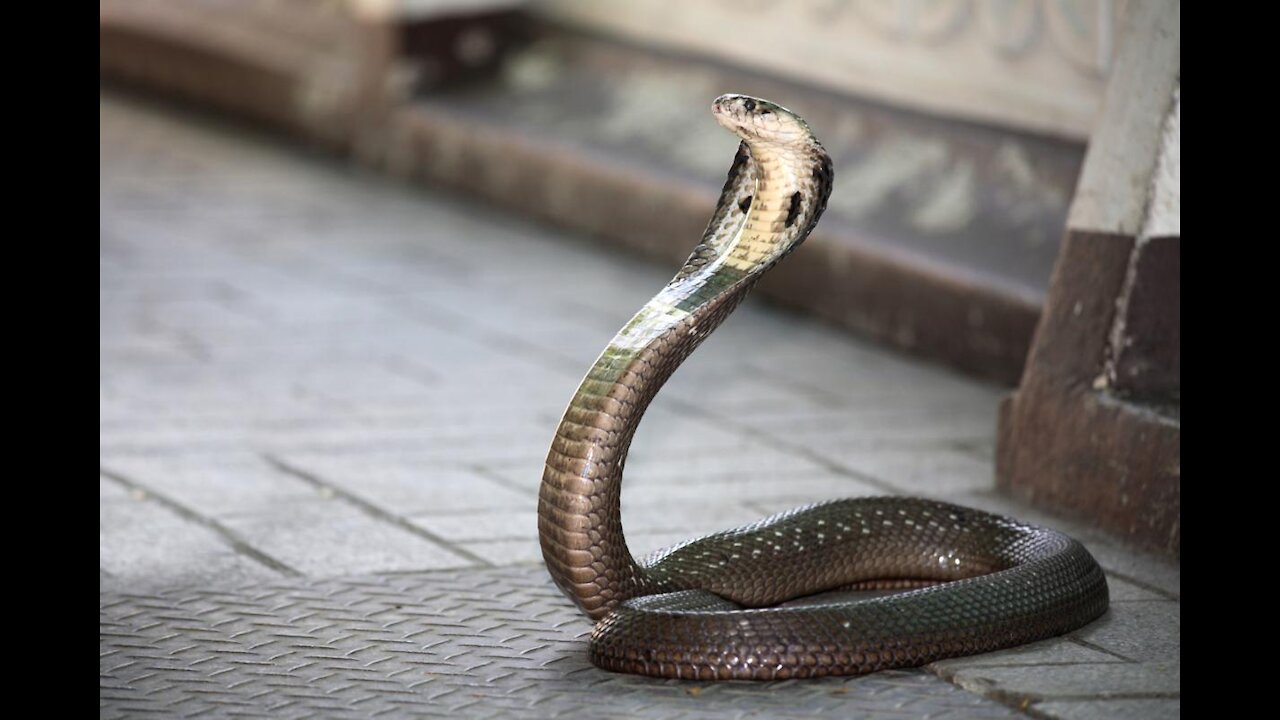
<point x="1093" y="429"/>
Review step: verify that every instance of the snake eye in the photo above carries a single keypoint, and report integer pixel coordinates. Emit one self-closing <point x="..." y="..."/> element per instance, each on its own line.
<point x="750" y="105"/>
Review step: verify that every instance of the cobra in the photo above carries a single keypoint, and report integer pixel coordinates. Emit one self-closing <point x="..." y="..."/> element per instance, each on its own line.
<point x="709" y="608"/>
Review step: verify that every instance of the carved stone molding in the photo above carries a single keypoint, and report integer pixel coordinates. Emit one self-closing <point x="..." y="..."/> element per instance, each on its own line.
<point x="1034" y="65"/>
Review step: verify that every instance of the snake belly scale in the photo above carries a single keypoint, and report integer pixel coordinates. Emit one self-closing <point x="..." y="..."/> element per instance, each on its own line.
<point x="709" y="608"/>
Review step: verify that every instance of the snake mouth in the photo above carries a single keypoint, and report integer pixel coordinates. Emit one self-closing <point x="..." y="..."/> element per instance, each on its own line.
<point x="733" y="112"/>
<point x="720" y="105"/>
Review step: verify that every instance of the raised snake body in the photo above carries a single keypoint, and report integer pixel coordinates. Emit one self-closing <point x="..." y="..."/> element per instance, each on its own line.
<point x="706" y="609"/>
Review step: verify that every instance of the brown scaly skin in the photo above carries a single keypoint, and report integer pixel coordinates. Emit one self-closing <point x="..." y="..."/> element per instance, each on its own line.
<point x="703" y="609"/>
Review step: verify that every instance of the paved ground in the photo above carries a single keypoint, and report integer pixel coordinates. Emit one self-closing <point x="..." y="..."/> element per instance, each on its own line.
<point x="325" y="402"/>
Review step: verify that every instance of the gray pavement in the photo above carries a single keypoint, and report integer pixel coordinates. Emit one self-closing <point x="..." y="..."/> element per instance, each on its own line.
<point x="325" y="402"/>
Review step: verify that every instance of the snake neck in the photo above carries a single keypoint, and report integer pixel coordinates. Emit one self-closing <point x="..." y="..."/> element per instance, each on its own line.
<point x="769" y="204"/>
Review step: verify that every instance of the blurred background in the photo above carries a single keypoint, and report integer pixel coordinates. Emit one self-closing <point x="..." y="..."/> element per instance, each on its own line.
<point x="977" y="145"/>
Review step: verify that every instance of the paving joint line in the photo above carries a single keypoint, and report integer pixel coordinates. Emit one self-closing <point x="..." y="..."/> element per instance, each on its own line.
<point x="792" y="449"/>
<point x="800" y="388"/>
<point x="973" y="449"/>
<point x="445" y="319"/>
<point x="1098" y="648"/>
<point x="374" y="511"/>
<point x="193" y="346"/>
<point x="1166" y="594"/>
<point x="227" y="534"/>
<point x="485" y="472"/>
<point x="404" y="367"/>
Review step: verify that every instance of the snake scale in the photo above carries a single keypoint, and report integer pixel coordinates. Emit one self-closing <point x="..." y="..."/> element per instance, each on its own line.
<point x="709" y="608"/>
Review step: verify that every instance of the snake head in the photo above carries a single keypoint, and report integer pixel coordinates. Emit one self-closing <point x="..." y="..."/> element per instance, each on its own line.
<point x="756" y="120"/>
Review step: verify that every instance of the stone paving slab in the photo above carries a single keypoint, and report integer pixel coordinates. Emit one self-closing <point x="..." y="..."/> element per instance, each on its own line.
<point x="309" y="373"/>
<point x="164" y="548"/>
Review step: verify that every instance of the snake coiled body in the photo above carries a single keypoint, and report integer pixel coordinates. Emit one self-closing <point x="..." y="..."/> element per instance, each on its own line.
<point x="708" y="609"/>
